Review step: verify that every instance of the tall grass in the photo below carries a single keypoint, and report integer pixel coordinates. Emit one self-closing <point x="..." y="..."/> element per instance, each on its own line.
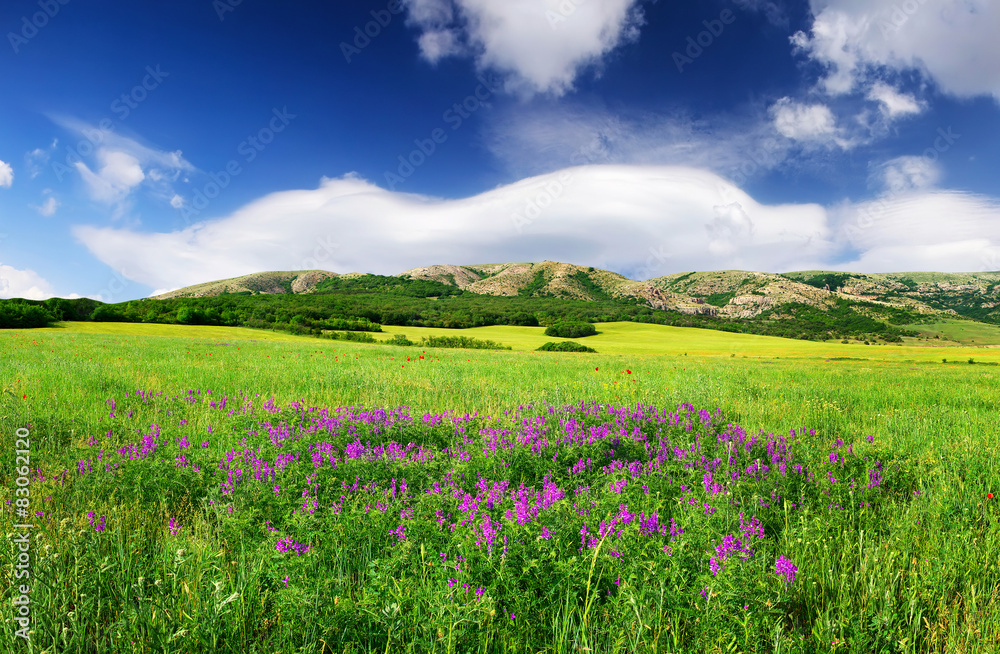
<point x="907" y="565"/>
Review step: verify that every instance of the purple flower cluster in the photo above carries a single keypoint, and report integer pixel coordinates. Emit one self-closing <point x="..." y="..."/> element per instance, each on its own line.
<point x="97" y="525"/>
<point x="710" y="461"/>
<point x="286" y="544"/>
<point x="785" y="569"/>
<point x="736" y="546"/>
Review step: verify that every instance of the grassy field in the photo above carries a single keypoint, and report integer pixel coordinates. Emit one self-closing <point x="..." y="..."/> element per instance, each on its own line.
<point x="179" y="474"/>
<point x="952" y="332"/>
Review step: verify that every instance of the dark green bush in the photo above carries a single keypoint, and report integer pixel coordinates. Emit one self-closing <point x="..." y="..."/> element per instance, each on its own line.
<point x="571" y="329"/>
<point x="356" y="337"/>
<point x="462" y="342"/>
<point x="18" y="314"/>
<point x="566" y="346"/>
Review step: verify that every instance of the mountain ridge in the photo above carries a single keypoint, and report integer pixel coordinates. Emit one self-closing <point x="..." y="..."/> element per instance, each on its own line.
<point x="733" y="294"/>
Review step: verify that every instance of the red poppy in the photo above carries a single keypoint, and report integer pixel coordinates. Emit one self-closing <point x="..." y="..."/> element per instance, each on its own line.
<point x="629" y="371"/>
<point x="989" y="496"/>
<point x="596" y="369"/>
<point x="25" y="397"/>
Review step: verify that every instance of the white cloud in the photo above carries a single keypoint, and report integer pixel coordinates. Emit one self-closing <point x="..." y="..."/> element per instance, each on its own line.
<point x="176" y="201"/>
<point x="952" y="42"/>
<point x="120" y="172"/>
<point x="608" y="216"/>
<point x="6" y="175"/>
<point x="908" y="173"/>
<point x="37" y="158"/>
<point x="933" y="230"/>
<point x="808" y="124"/>
<point x="803" y="122"/>
<point x="49" y="206"/>
<point x="124" y="164"/>
<point x="27" y="284"/>
<point x="541" y="46"/>
<point x="642" y="221"/>
<point x="894" y="103"/>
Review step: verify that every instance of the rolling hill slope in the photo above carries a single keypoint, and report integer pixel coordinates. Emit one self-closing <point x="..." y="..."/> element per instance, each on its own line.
<point x="726" y="294"/>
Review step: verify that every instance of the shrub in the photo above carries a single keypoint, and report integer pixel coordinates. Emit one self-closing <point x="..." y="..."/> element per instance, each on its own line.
<point x="461" y="341"/>
<point x="16" y="314"/>
<point x="357" y="337"/>
<point x="399" y="339"/>
<point x="571" y="329"/>
<point x="565" y="346"/>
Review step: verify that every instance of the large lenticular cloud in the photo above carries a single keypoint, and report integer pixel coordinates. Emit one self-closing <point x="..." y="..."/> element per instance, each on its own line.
<point x="642" y="221"/>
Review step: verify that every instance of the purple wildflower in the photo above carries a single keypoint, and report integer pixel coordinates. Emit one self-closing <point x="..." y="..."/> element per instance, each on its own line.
<point x="785" y="569"/>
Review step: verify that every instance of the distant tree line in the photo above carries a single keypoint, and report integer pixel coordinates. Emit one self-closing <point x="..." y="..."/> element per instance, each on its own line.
<point x="363" y="304"/>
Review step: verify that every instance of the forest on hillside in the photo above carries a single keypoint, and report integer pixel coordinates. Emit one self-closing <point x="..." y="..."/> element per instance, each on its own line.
<point x="367" y="302"/>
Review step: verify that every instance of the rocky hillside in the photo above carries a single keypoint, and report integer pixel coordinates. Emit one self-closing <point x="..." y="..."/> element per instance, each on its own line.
<point x="732" y="294"/>
<point x="564" y="280"/>
<point x="973" y="295"/>
<point x="271" y="283"/>
<point x="723" y="293"/>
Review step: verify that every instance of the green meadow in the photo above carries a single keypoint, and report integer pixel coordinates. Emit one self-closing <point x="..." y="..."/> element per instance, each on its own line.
<point x="146" y="539"/>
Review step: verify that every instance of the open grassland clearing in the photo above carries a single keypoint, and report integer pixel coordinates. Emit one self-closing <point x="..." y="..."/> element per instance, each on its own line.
<point x="952" y="332"/>
<point x="212" y="493"/>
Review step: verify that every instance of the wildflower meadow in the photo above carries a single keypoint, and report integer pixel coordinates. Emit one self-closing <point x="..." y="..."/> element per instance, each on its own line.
<point x="199" y="495"/>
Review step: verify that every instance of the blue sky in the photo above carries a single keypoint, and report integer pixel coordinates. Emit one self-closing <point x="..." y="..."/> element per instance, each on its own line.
<point x="148" y="146"/>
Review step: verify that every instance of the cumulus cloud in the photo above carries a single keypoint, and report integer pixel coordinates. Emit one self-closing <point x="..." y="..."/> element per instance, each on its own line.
<point x="120" y="172"/>
<point x="810" y="124"/>
<point x="952" y="42"/>
<point x="49" y="206"/>
<point x="894" y="103"/>
<point x="27" y="284"/>
<point x="6" y="175"/>
<point x="540" y="46"/>
<point x="906" y="173"/>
